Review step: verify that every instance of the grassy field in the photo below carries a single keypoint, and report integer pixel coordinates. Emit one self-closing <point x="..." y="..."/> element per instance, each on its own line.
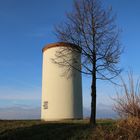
<point x="66" y="130"/>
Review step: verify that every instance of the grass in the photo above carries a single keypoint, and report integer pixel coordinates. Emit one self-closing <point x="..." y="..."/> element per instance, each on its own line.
<point x="39" y="130"/>
<point x="69" y="130"/>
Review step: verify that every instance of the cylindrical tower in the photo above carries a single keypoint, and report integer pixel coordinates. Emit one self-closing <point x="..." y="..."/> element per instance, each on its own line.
<point x="61" y="94"/>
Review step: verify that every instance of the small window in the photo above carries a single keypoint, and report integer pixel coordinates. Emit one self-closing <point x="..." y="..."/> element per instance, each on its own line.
<point x="45" y="105"/>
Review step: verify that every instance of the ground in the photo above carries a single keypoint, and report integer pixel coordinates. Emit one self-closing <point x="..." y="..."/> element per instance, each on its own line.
<point x="64" y="130"/>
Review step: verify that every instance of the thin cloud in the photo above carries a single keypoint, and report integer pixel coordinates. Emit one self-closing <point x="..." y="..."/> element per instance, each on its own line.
<point x="26" y="112"/>
<point x="18" y="94"/>
<point x="19" y="113"/>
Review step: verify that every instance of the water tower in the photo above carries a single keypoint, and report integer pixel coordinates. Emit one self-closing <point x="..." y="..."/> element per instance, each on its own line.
<point x="61" y="94"/>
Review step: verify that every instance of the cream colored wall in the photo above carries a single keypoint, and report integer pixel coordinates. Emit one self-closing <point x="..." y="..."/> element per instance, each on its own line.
<point x="63" y="94"/>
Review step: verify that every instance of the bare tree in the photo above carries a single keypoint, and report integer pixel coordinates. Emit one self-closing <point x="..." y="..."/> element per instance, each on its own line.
<point x="91" y="27"/>
<point x="127" y="103"/>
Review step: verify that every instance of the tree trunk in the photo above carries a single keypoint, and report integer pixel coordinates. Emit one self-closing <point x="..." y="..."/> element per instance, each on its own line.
<point x="93" y="101"/>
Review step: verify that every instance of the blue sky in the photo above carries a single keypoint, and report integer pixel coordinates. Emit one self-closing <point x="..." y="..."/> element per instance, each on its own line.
<point x="27" y="25"/>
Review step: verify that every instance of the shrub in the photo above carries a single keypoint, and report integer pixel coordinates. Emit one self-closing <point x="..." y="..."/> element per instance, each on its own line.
<point x="128" y="103"/>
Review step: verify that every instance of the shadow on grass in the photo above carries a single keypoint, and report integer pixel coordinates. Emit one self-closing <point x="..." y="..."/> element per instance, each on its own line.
<point x="47" y="131"/>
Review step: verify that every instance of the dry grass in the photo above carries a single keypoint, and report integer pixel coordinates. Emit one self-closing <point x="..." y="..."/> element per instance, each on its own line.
<point x="71" y="130"/>
<point x="129" y="128"/>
